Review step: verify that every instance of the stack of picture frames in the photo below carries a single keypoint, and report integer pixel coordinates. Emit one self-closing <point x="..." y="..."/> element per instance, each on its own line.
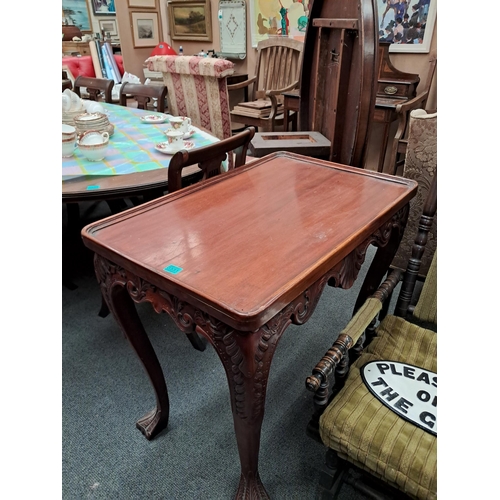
<point x="145" y="23"/>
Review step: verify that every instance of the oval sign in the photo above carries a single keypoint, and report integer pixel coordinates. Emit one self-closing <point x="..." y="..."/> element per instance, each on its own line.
<point x="408" y="390"/>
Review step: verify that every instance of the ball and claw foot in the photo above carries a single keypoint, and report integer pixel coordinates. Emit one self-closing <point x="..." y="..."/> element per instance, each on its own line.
<point x="152" y="424"/>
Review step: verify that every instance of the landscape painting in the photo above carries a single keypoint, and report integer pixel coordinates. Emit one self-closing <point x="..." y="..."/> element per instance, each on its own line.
<point x="76" y="13"/>
<point x="190" y="20"/>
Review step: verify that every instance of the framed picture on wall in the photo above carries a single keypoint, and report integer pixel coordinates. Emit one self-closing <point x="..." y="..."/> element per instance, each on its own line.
<point x="143" y="4"/>
<point x="190" y="20"/>
<point x="145" y="29"/>
<point x="103" y="7"/>
<point x="407" y="24"/>
<point x="108" y="26"/>
<point x="76" y="13"/>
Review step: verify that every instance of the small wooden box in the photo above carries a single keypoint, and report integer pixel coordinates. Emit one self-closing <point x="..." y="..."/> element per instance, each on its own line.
<point x="308" y="143"/>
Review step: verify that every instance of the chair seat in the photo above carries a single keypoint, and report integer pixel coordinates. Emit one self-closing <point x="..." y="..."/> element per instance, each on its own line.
<point x="400" y="453"/>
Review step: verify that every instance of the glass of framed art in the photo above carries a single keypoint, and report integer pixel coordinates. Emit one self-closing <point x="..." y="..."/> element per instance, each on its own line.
<point x="76" y="12"/>
<point x="406" y="24"/>
<point x="190" y="20"/>
<point x="103" y="7"/>
<point x="145" y="29"/>
<point x="108" y="26"/>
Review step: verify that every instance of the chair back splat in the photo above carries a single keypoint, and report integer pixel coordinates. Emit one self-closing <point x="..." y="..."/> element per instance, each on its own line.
<point x="95" y="86"/>
<point x="209" y="158"/>
<point x="143" y="94"/>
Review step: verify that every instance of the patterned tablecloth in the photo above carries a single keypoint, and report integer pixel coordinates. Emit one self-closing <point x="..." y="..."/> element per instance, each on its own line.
<point x="131" y="147"/>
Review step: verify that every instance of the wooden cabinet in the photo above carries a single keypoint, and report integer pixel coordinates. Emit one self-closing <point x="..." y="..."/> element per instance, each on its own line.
<point x="82" y="48"/>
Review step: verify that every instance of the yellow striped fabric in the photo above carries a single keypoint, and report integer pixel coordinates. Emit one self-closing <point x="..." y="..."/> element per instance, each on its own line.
<point x="426" y="308"/>
<point x="365" y="432"/>
<point x="362" y="319"/>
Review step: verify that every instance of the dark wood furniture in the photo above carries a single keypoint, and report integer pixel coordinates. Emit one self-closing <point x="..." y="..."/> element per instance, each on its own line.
<point x="339" y="76"/>
<point x="238" y="78"/>
<point x="402" y="112"/>
<point x="95" y="87"/>
<point x="291" y="103"/>
<point x="76" y="48"/>
<point x="277" y="70"/>
<point x="66" y="82"/>
<point x="209" y="158"/>
<point x="394" y="87"/>
<point x="237" y="259"/>
<point x="144" y="94"/>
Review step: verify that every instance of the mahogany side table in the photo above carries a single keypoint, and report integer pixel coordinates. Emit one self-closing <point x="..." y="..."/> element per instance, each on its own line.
<point x="237" y="259"/>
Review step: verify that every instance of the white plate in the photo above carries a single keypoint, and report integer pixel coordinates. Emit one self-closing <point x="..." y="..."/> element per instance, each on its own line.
<point x="164" y="147"/>
<point x="154" y="118"/>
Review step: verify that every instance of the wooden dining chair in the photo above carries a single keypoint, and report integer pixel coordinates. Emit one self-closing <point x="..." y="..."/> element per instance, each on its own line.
<point x="143" y="94"/>
<point x="209" y="158"/>
<point x="277" y="70"/>
<point x="96" y="87"/>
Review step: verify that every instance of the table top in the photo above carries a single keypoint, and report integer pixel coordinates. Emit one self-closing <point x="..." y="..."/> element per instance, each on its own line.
<point x="243" y="245"/>
<point x="132" y="163"/>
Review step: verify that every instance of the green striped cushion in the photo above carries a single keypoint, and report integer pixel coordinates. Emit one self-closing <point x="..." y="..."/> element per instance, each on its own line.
<point x="365" y="432"/>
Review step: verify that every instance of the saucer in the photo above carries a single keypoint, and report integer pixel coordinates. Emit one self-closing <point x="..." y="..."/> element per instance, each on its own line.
<point x="164" y="147"/>
<point x="154" y="118"/>
<point x="189" y="134"/>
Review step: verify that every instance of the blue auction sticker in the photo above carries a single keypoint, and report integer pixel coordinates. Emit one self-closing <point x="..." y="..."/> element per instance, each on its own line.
<point x="173" y="269"/>
<point x="409" y="391"/>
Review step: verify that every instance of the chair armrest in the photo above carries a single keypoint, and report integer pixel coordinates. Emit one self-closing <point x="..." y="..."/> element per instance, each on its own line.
<point x="241" y="85"/>
<point x="292" y="86"/>
<point x="402" y="113"/>
<point x="352" y="332"/>
<point x="418" y="101"/>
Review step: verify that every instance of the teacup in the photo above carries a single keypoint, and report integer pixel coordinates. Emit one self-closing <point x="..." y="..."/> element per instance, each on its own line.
<point x="66" y="102"/>
<point x="93" y="144"/>
<point x="68" y="132"/>
<point x="68" y="147"/>
<point x="94" y="107"/>
<point x="182" y="123"/>
<point x="174" y="138"/>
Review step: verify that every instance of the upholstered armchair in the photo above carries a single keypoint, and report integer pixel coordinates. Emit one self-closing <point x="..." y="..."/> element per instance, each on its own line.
<point x="197" y="87"/>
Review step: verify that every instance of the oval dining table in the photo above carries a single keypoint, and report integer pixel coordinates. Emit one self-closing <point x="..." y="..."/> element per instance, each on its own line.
<point x="132" y="166"/>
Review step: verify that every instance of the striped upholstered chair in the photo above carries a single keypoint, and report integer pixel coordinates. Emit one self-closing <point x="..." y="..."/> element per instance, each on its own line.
<point x="197" y="87"/>
<point x="368" y="422"/>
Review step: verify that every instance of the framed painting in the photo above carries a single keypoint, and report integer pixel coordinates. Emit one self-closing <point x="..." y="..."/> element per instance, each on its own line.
<point x="145" y="29"/>
<point x="142" y="4"/>
<point x="407" y="25"/>
<point x="190" y="20"/>
<point x="108" y="26"/>
<point x="103" y="7"/>
<point x="285" y="18"/>
<point x="76" y="12"/>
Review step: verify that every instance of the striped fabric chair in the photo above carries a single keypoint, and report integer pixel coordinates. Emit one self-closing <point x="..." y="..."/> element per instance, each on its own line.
<point x="363" y="432"/>
<point x="197" y="87"/>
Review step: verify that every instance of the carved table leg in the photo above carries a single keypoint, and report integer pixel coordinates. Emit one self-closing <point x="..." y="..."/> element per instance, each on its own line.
<point x="246" y="358"/>
<point x="123" y="308"/>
